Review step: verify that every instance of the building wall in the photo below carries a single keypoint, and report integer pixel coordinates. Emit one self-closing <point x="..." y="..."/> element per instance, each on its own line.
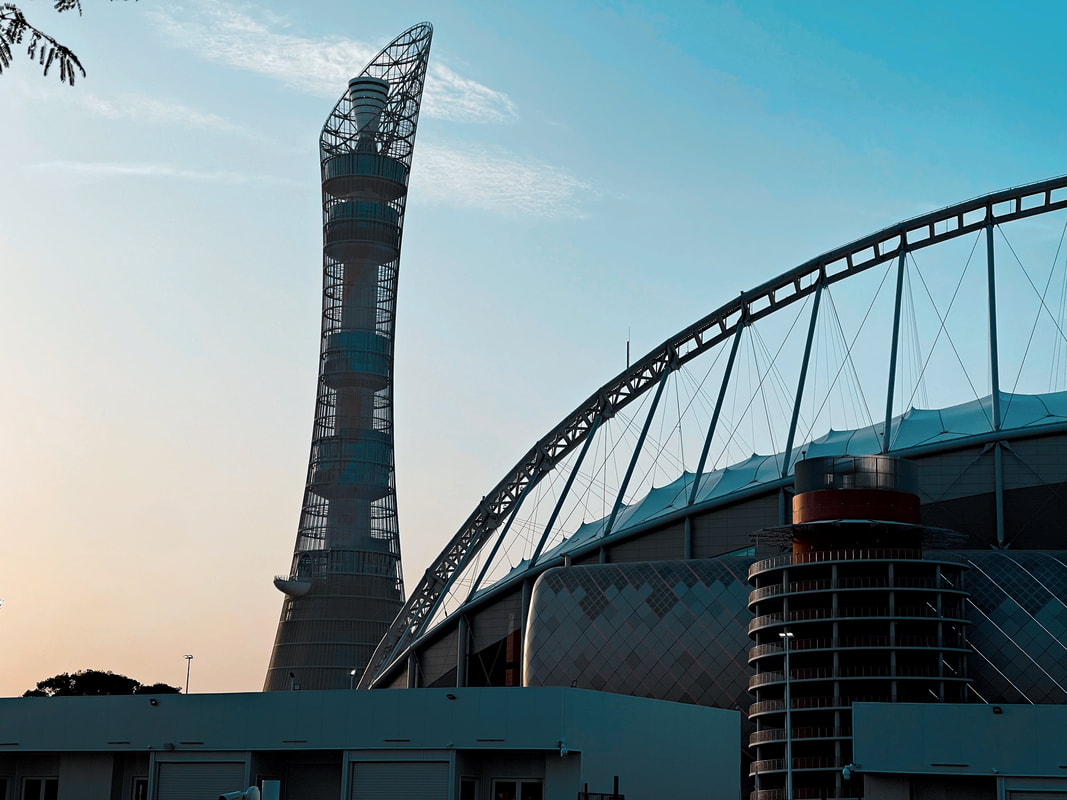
<point x="960" y="741"/>
<point x="338" y="743"/>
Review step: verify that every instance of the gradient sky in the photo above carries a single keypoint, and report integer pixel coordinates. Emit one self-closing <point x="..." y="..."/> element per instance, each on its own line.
<point x="581" y="171"/>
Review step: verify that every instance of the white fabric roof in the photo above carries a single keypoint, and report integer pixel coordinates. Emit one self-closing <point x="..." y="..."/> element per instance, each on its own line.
<point x="918" y="427"/>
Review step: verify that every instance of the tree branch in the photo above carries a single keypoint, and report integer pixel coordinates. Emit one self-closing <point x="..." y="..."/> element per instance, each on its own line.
<point x="15" y="28"/>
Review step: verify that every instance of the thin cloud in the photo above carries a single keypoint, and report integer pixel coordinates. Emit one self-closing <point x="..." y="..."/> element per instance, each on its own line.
<point x="113" y="169"/>
<point x="318" y="66"/>
<point x="139" y="108"/>
<point x="130" y="107"/>
<point x="457" y="99"/>
<point x="495" y="181"/>
<point x="490" y="181"/>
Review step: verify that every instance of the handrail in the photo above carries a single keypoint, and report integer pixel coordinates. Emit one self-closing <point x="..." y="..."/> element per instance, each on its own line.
<point x="877" y="612"/>
<point x="847" y="583"/>
<point x="778" y="734"/>
<point x="816" y="701"/>
<point x="820" y="556"/>
<point x="858" y="642"/>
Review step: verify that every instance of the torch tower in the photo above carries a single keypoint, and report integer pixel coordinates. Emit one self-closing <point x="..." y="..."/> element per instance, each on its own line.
<point x="344" y="586"/>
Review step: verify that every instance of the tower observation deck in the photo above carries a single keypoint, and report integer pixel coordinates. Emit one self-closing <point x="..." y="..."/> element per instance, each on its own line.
<point x="345" y="586"/>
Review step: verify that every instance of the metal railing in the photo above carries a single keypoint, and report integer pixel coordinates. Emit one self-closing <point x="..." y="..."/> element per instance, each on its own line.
<point x="854" y="612"/>
<point x="859" y="642"/>
<point x="806" y="703"/>
<point x="796" y="587"/>
<point x="778" y="734"/>
<point x="821" y="556"/>
<point x="768" y="765"/>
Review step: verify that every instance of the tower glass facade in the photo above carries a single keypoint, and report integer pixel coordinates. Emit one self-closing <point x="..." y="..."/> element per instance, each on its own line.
<point x="345" y="585"/>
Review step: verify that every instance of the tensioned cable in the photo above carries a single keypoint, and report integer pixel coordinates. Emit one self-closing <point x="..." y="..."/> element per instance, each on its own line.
<point x="1058" y="360"/>
<point x="729" y="420"/>
<point x="774" y="377"/>
<point x="943" y="329"/>
<point x="848" y="353"/>
<point x="590" y="480"/>
<point x="659" y="441"/>
<point x="574" y="501"/>
<point x="752" y="395"/>
<point x="698" y="390"/>
<point x="782" y="393"/>
<point x="505" y="547"/>
<point x="763" y="395"/>
<point x="598" y="478"/>
<point x="678" y="412"/>
<point x="1041" y="299"/>
<point x="660" y="447"/>
<point x="914" y="351"/>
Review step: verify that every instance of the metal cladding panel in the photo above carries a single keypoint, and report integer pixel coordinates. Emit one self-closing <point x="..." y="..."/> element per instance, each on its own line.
<point x="666" y="544"/>
<point x="438" y="659"/>
<point x="399" y="780"/>
<point x="725" y="530"/>
<point x="494" y="623"/>
<point x="313" y="781"/>
<point x="671" y="630"/>
<point x="1018" y="613"/>
<point x="202" y="781"/>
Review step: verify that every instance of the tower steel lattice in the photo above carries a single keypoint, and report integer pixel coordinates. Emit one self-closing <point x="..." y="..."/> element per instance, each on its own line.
<point x="345" y="585"/>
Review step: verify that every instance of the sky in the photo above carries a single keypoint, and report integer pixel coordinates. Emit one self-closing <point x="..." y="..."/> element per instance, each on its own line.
<point x="583" y="174"/>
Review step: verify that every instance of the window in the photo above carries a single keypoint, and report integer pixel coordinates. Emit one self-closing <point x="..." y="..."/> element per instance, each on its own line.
<point x="40" y="788"/>
<point x="140" y="789"/>
<point x="468" y="789"/>
<point x="517" y="790"/>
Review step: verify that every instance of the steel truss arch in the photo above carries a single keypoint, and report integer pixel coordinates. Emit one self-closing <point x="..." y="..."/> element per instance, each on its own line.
<point x="835" y="265"/>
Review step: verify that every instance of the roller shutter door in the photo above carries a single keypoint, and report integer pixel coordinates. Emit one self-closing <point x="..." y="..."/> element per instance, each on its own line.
<point x="204" y="781"/>
<point x="399" y="780"/>
<point x="1037" y="795"/>
<point x="313" y="782"/>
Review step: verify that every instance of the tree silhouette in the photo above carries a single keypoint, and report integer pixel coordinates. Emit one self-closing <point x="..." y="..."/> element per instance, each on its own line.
<point x="15" y="29"/>
<point x="93" y="682"/>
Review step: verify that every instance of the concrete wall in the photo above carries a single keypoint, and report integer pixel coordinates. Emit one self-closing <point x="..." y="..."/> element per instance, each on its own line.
<point x="95" y="745"/>
<point x="971" y="739"/>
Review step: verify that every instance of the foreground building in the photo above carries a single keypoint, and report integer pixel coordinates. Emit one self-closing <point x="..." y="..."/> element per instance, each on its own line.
<point x="345" y="584"/>
<point x="469" y="744"/>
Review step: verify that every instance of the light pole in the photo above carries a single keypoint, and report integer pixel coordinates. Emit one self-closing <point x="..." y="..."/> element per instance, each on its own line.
<point x="352" y="679"/>
<point x="786" y="635"/>
<point x="188" y="666"/>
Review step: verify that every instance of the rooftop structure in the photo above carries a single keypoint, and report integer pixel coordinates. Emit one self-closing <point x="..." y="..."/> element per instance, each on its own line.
<point x="345" y="585"/>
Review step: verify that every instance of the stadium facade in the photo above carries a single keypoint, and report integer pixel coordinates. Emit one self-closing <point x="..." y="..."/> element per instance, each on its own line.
<point x="345" y="585"/>
<point x="652" y="596"/>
